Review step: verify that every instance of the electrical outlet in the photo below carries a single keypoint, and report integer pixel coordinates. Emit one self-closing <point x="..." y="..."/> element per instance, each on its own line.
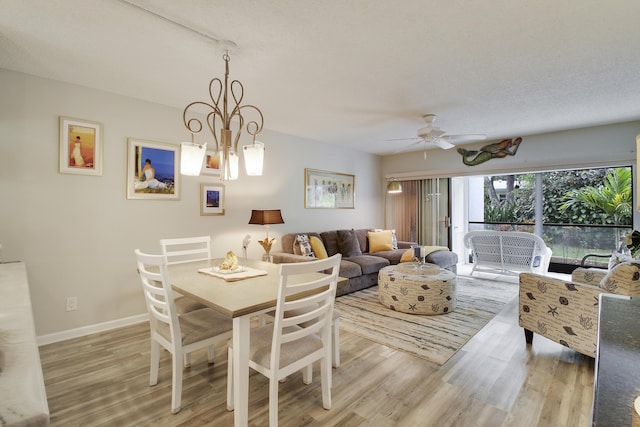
<point x="72" y="303"/>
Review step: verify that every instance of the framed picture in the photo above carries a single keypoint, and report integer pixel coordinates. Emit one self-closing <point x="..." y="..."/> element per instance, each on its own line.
<point x="211" y="164"/>
<point x="211" y="199"/>
<point x="80" y="146"/>
<point x="328" y="190"/>
<point x="152" y="170"/>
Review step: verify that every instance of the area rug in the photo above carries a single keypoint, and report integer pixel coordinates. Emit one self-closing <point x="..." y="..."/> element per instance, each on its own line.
<point x="434" y="338"/>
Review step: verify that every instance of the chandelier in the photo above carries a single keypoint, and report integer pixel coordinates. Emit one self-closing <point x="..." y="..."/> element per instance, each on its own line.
<point x="225" y="116"/>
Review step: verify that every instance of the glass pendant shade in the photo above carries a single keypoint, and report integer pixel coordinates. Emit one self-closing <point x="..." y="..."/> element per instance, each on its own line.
<point x="254" y="158"/>
<point x="191" y="158"/>
<point x="234" y="162"/>
<point x="394" y="187"/>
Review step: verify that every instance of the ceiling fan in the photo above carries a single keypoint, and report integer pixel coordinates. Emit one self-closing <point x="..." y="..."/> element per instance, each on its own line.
<point x="432" y="133"/>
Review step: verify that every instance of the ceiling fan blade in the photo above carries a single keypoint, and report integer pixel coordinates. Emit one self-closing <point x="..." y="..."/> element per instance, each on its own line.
<point x="442" y="143"/>
<point x="465" y="138"/>
<point x="415" y="138"/>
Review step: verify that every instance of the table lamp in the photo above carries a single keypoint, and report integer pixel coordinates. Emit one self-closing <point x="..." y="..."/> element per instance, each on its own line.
<point x="266" y="218"/>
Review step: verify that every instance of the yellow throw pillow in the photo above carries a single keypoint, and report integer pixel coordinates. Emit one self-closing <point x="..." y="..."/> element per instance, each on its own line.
<point x="407" y="256"/>
<point x="380" y="241"/>
<point x="318" y="247"/>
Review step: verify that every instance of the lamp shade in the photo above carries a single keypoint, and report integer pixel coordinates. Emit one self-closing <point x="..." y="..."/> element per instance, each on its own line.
<point x="191" y="158"/>
<point x="394" y="187"/>
<point x="266" y="217"/>
<point x="254" y="158"/>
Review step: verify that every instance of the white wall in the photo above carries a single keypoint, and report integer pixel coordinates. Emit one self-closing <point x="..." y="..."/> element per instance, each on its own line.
<point x="77" y="233"/>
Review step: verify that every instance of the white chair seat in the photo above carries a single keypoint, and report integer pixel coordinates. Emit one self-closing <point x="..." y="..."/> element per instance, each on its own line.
<point x="335" y="329"/>
<point x="186" y="304"/>
<point x="199" y="325"/>
<point x="260" y="346"/>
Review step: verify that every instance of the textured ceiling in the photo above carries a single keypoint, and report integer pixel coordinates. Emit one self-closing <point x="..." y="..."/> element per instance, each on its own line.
<point x="352" y="73"/>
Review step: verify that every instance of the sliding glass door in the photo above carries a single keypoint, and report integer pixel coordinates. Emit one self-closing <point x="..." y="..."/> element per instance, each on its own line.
<point x="434" y="212"/>
<point x="421" y="213"/>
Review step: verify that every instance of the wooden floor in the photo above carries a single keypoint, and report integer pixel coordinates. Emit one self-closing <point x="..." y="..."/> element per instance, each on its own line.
<point x="495" y="380"/>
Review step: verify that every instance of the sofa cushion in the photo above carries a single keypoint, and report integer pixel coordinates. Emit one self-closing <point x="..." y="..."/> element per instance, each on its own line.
<point x="393" y="256"/>
<point x="363" y="240"/>
<point x="380" y="241"/>
<point x="624" y="279"/>
<point x="369" y="263"/>
<point x="348" y="243"/>
<point x="330" y="240"/>
<point x="302" y="246"/>
<point x="349" y="269"/>
<point x="443" y="258"/>
<point x="318" y="247"/>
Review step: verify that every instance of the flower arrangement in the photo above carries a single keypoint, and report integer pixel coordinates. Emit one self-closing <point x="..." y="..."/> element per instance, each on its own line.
<point x="632" y="241"/>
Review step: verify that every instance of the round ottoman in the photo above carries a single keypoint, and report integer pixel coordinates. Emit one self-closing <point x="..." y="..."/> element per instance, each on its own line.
<point x="426" y="290"/>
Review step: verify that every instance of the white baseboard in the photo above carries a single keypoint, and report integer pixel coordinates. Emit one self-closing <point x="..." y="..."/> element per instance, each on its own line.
<point x="92" y="329"/>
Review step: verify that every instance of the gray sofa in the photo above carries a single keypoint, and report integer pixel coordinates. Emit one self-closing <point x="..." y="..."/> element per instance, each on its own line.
<point x="358" y="265"/>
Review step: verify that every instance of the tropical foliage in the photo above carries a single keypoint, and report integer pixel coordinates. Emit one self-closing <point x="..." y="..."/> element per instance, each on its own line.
<point x="588" y="196"/>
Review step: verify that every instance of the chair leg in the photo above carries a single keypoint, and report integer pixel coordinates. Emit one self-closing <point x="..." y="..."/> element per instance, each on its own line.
<point x="229" y="379"/>
<point x="325" y="379"/>
<point x="273" y="402"/>
<point x="307" y="374"/>
<point x="176" y="386"/>
<point x="336" y="343"/>
<point x="210" y="354"/>
<point x="187" y="360"/>
<point x="528" y="336"/>
<point x="155" y="362"/>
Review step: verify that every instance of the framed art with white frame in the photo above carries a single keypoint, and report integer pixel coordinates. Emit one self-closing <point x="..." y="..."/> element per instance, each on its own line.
<point x="152" y="170"/>
<point x="328" y="190"/>
<point x="80" y="146"/>
<point x="211" y="199"/>
<point x="211" y="165"/>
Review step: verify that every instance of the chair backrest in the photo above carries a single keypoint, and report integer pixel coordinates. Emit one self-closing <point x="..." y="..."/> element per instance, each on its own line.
<point x="313" y="311"/>
<point x="158" y="295"/>
<point x="186" y="249"/>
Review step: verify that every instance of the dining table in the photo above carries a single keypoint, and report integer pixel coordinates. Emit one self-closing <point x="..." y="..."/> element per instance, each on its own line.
<point x="239" y="297"/>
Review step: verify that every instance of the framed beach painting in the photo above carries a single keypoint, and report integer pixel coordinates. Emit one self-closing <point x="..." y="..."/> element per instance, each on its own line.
<point x="211" y="199"/>
<point x="80" y="147"/>
<point x="328" y="190"/>
<point x="152" y="170"/>
<point x="211" y="164"/>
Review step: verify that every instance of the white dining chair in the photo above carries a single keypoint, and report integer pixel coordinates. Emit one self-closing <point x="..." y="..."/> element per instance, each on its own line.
<point x="335" y="331"/>
<point x="186" y="249"/>
<point x="178" y="334"/>
<point x="294" y="341"/>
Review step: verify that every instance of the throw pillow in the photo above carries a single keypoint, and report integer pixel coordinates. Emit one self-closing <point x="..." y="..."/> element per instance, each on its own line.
<point x="302" y="246"/>
<point x="623" y="279"/>
<point x="407" y="256"/>
<point x="618" y="258"/>
<point x="348" y="243"/>
<point x="380" y="241"/>
<point x="394" y="238"/>
<point x="318" y="247"/>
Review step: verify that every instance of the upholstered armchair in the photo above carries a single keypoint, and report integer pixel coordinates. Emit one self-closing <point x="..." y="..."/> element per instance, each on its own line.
<point x="567" y="312"/>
